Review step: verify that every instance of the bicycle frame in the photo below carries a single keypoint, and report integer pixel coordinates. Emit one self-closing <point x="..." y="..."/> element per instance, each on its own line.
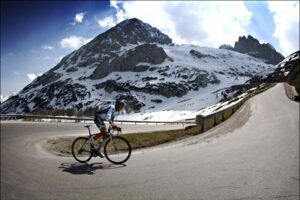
<point x="110" y="132"/>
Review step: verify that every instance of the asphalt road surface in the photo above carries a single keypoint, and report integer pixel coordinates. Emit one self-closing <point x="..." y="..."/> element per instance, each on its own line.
<point x="253" y="155"/>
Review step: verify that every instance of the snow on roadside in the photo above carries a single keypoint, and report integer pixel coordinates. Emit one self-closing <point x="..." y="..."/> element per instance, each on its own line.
<point x="173" y="115"/>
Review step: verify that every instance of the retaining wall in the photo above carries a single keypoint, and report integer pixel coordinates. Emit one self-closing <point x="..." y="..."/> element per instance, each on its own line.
<point x="207" y="122"/>
<point x="291" y="92"/>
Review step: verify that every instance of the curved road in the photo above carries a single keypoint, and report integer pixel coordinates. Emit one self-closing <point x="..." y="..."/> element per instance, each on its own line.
<point x="253" y="155"/>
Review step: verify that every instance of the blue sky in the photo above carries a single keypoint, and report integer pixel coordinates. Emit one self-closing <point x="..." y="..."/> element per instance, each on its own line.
<point x="262" y="24"/>
<point x="36" y="35"/>
<point x="31" y="33"/>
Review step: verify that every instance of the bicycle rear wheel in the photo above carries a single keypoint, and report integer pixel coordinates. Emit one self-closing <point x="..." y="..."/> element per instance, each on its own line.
<point x="117" y="150"/>
<point x="81" y="150"/>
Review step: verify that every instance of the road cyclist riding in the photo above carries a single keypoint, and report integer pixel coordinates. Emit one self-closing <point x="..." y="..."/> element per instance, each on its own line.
<point x="115" y="148"/>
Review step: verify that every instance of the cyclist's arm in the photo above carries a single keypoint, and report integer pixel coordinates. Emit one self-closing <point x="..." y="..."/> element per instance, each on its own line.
<point x="110" y="115"/>
<point x="111" y="123"/>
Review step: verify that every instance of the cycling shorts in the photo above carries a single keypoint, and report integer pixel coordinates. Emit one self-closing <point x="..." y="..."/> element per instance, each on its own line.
<point x="99" y="122"/>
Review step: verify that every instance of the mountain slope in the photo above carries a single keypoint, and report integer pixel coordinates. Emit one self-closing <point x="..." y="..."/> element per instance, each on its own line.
<point x="138" y="63"/>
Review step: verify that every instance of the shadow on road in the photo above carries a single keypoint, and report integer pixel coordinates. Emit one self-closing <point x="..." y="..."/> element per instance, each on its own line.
<point x="85" y="168"/>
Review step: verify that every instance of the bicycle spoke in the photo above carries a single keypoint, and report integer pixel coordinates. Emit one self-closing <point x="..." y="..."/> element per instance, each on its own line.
<point x="117" y="150"/>
<point x="115" y="146"/>
<point x="81" y="151"/>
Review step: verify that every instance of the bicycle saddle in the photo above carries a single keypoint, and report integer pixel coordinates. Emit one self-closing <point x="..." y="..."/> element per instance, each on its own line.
<point x="87" y="126"/>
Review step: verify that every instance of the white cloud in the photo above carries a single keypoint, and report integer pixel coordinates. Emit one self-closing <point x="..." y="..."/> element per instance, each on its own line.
<point x="16" y="73"/>
<point x="33" y="76"/>
<point x="107" y="22"/>
<point x="120" y="12"/>
<point x="286" y="18"/>
<point x="79" y="17"/>
<point x="114" y="4"/>
<point x="203" y="23"/>
<point x="48" y="47"/>
<point x="74" y="42"/>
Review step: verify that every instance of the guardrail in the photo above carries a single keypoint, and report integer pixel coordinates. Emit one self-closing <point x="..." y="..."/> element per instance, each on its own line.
<point x="207" y="122"/>
<point x="291" y="92"/>
<point x="75" y="119"/>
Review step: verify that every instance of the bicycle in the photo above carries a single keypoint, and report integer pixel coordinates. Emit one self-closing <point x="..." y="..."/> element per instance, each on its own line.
<point x="117" y="149"/>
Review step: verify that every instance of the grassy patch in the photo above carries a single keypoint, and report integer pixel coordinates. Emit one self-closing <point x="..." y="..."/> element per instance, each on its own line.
<point x="62" y="146"/>
<point x="142" y="140"/>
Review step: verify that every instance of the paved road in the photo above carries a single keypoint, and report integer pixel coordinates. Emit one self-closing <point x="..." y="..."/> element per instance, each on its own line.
<point x="253" y="155"/>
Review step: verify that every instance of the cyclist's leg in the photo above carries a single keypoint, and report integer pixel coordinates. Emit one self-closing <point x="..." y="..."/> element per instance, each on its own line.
<point x="101" y="125"/>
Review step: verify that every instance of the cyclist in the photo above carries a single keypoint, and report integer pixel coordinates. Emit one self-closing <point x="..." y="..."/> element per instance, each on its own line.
<point x="107" y="114"/>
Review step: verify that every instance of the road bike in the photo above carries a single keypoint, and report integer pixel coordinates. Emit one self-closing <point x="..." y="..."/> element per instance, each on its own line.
<point x="115" y="148"/>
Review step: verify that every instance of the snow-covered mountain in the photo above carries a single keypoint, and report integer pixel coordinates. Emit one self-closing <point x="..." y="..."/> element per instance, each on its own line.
<point x="3" y="98"/>
<point x="136" y="62"/>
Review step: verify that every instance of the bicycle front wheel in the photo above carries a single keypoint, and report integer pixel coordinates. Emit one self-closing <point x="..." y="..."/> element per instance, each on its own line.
<point x="81" y="150"/>
<point x="117" y="150"/>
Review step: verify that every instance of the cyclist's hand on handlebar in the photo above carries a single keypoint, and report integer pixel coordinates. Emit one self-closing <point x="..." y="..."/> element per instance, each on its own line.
<point x="114" y="127"/>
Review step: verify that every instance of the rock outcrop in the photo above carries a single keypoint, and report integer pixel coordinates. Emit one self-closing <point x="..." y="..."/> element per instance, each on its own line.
<point x="137" y="59"/>
<point x="251" y="46"/>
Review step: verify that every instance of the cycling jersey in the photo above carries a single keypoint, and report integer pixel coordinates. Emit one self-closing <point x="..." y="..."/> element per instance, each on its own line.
<point x="106" y="113"/>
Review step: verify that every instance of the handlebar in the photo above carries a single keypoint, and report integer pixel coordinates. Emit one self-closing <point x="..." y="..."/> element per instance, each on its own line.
<point x="110" y="130"/>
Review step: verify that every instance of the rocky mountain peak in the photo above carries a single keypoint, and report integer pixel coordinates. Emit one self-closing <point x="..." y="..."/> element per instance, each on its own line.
<point x="103" y="53"/>
<point x="132" y="31"/>
<point x="245" y="45"/>
<point x="251" y="46"/>
<point x="142" y="32"/>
